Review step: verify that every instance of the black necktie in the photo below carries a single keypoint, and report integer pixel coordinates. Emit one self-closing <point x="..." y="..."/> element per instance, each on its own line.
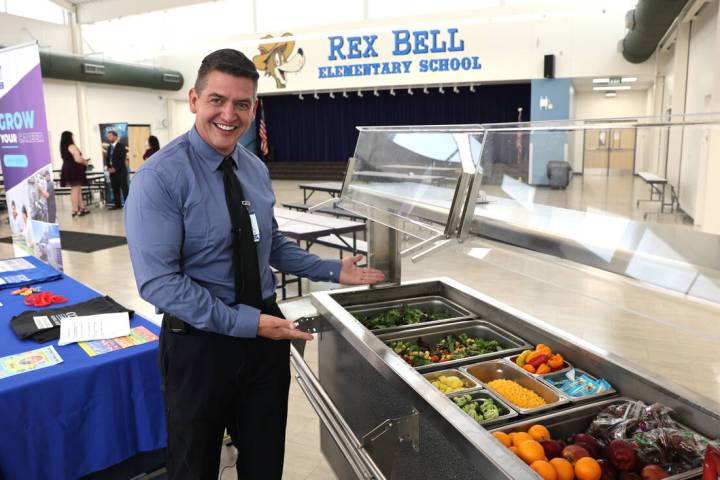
<point x="245" y="262"/>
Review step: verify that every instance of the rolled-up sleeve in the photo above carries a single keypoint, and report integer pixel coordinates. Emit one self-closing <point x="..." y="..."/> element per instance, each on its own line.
<point x="288" y="257"/>
<point x="155" y="230"/>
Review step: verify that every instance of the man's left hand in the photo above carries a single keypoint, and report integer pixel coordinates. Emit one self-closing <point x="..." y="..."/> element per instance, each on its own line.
<point x="351" y="274"/>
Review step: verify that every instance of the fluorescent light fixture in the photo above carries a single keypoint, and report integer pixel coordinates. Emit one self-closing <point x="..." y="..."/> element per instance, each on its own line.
<point x="300" y="96"/>
<point x="601" y="80"/>
<point x="611" y="94"/>
<point x="628" y="79"/>
<point x="332" y="95"/>
<point x="611" y="88"/>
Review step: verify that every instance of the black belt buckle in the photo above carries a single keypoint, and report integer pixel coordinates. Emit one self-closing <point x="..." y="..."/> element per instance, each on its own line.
<point x="176" y="325"/>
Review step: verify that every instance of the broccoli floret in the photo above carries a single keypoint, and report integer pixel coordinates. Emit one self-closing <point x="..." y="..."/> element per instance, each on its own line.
<point x="462" y="400"/>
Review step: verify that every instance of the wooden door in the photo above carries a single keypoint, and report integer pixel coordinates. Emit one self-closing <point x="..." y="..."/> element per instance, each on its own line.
<point x="137" y="144"/>
<point x="622" y="151"/>
<point x="595" y="154"/>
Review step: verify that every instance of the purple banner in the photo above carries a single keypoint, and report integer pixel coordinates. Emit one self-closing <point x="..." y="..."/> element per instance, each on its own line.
<point x="23" y="129"/>
<point x="25" y="156"/>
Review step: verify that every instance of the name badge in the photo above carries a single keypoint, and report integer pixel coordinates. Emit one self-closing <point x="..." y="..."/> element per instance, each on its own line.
<point x="255" y="229"/>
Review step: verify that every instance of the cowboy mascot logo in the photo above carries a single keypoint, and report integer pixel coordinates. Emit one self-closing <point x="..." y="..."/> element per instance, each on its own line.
<point x="277" y="59"/>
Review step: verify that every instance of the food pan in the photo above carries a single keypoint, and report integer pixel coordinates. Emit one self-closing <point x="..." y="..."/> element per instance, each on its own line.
<point x="565" y="368"/>
<point x="475" y="328"/>
<point x="506" y="413"/>
<point x="501" y="369"/>
<point x="548" y="378"/>
<point x="431" y="304"/>
<point x="568" y="422"/>
<point x="468" y="382"/>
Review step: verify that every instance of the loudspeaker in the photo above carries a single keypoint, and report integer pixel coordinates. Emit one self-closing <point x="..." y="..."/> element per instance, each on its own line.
<point x="549" y="71"/>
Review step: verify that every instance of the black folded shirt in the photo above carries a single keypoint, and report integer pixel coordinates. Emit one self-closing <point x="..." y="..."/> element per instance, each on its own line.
<point x="25" y="325"/>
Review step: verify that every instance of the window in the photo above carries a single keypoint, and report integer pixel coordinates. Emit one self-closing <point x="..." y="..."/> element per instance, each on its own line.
<point x="43" y="10"/>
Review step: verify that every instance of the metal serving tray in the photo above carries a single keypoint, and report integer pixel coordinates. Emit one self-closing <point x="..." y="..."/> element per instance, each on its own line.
<point x="506" y="413"/>
<point x="500" y="369"/>
<point x="474" y="328"/>
<point x="585" y="398"/>
<point x="568" y="422"/>
<point x="468" y="382"/>
<point x="431" y="304"/>
<point x="566" y="367"/>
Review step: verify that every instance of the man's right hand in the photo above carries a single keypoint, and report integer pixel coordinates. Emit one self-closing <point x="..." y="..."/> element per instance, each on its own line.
<point x="276" y="328"/>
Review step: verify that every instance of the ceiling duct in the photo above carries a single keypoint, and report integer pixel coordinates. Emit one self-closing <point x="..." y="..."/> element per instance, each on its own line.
<point x="647" y="24"/>
<point x="82" y="69"/>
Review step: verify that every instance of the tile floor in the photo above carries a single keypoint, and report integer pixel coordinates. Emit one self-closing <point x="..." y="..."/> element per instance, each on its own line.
<point x="638" y="323"/>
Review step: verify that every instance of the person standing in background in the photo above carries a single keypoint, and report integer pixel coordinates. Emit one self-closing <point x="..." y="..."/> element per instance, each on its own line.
<point x="47" y="190"/>
<point x="153" y="146"/>
<point x="73" y="173"/>
<point x="115" y="163"/>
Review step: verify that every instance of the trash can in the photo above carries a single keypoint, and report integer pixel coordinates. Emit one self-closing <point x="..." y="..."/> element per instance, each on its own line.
<point x="559" y="174"/>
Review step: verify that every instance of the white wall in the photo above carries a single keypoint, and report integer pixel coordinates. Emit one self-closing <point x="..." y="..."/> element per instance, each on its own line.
<point x="698" y="97"/>
<point x="597" y="105"/>
<point x="62" y="114"/>
<point x="51" y="37"/>
<point x="584" y="45"/>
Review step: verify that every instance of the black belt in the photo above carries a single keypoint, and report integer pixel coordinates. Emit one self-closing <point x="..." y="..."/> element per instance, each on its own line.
<point x="179" y="326"/>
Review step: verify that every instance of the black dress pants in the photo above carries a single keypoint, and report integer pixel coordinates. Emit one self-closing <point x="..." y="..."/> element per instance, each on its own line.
<point x="119" y="183"/>
<point x="214" y="381"/>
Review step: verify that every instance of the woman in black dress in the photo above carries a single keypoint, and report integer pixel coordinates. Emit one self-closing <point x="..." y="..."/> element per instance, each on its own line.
<point x="73" y="173"/>
<point x="153" y="146"/>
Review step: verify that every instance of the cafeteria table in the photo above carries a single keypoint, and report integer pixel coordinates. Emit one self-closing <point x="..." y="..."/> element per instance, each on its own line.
<point x="83" y="415"/>
<point x="308" y="227"/>
<point x="333" y="188"/>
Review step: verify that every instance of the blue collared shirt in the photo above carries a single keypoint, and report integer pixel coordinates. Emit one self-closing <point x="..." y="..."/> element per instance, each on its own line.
<point x="178" y="231"/>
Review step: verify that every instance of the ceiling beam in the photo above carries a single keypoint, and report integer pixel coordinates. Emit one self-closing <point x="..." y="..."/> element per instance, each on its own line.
<point x="66" y="4"/>
<point x="99" y="10"/>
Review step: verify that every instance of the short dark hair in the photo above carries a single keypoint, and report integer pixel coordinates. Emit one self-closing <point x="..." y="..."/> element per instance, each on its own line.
<point x="230" y="61"/>
<point x="112" y="132"/>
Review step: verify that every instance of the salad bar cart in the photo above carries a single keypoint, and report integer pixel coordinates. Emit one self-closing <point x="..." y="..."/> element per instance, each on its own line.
<point x="432" y="379"/>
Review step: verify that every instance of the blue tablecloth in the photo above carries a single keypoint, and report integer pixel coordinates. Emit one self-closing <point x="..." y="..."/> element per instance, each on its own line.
<point x="82" y="415"/>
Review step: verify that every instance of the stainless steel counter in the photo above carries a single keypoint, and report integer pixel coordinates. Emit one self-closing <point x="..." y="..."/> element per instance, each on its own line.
<point x="381" y="418"/>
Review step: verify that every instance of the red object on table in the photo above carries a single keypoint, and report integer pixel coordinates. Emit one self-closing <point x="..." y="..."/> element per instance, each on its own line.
<point x="44" y="299"/>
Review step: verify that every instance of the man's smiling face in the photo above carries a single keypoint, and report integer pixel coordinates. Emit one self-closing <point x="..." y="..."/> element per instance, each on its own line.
<point x="223" y="110"/>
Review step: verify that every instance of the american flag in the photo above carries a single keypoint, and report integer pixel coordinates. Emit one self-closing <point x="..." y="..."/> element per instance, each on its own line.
<point x="262" y="131"/>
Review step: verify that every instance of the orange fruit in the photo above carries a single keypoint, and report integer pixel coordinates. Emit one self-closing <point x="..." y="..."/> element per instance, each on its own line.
<point x="521" y="437"/>
<point x="563" y="468"/>
<point x="539" y="432"/>
<point x="544" y="469"/>
<point x="531" y="451"/>
<point x="503" y="437"/>
<point x="588" y="468"/>
<point x="514" y="450"/>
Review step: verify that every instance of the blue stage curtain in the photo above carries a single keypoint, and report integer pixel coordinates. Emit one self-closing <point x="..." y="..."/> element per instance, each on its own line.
<point x="324" y="130"/>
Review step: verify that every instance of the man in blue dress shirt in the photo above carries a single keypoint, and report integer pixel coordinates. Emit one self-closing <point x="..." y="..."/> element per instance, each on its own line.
<point x="224" y="362"/>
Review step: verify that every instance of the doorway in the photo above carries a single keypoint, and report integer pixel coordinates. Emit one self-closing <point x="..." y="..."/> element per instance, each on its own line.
<point x="137" y="138"/>
<point x="609" y="151"/>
